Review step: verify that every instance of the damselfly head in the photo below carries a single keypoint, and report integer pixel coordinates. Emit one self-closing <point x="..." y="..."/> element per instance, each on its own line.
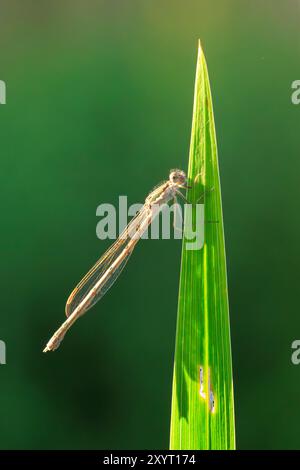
<point x="178" y="177"/>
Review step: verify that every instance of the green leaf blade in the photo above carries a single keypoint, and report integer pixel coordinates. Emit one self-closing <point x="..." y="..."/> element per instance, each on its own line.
<point x="203" y="367"/>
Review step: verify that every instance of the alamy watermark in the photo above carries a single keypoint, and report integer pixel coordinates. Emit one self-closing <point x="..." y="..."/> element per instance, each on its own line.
<point x="167" y="222"/>
<point x="2" y="352"/>
<point x="295" y="97"/>
<point x="2" y="92"/>
<point x="295" y="357"/>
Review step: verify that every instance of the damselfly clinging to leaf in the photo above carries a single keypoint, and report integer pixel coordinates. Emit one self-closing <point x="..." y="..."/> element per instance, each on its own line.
<point x="104" y="273"/>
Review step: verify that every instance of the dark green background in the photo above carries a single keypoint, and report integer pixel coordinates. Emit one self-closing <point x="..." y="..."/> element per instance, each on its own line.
<point x="99" y="103"/>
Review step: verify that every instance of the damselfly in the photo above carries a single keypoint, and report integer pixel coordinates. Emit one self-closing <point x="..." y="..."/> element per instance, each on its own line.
<point x="104" y="273"/>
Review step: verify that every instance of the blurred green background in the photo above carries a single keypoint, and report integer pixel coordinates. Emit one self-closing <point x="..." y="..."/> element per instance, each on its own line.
<point x="99" y="103"/>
